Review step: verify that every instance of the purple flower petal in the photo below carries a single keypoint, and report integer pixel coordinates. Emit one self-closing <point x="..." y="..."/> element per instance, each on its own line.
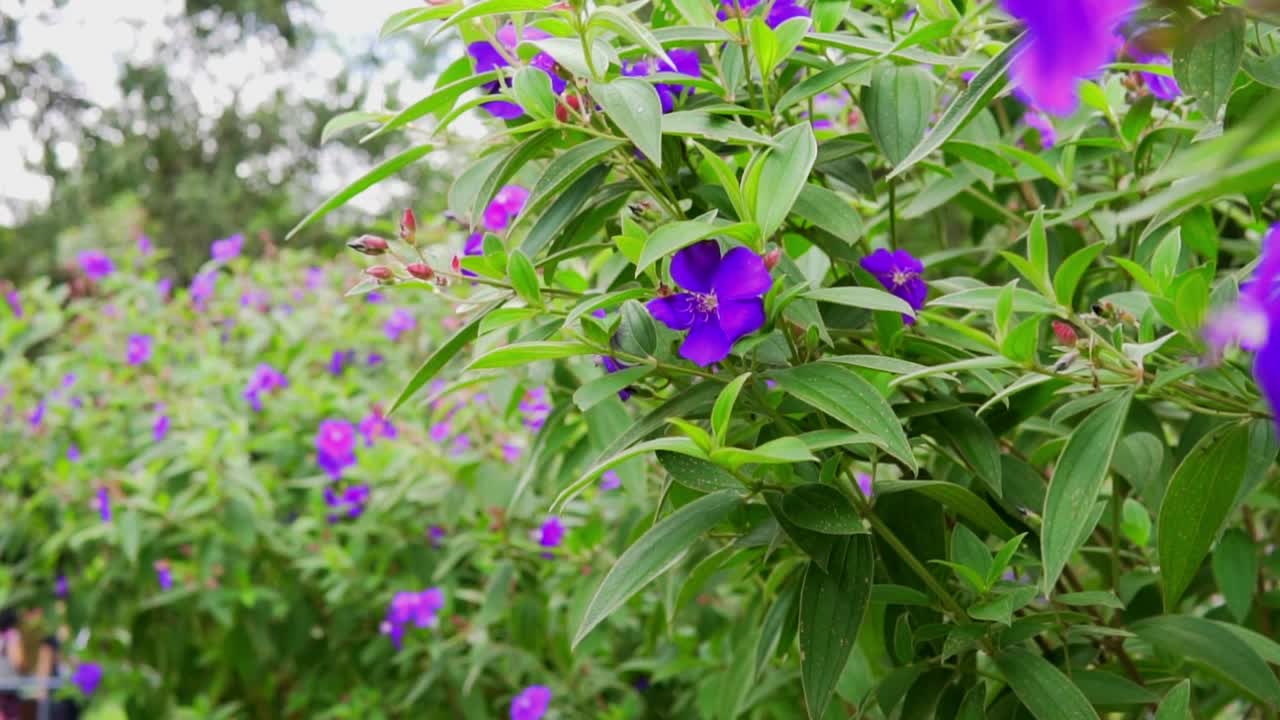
<point x="740" y="317"/>
<point x="706" y="343"/>
<point x="674" y="311"/>
<point x="694" y="267"/>
<point x="742" y="274"/>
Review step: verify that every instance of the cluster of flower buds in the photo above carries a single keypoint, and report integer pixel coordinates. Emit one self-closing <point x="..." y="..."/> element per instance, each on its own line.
<point x="567" y="104"/>
<point x="375" y="246"/>
<point x="369" y="245"/>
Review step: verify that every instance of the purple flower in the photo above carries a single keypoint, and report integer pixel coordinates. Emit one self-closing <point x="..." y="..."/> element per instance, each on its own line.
<point x="144" y="244"/>
<point x="202" y="288"/>
<point x="138" y="349"/>
<point x="164" y="286"/>
<point x="314" y="279"/>
<point x="683" y="62"/>
<point x="15" y="302"/>
<point x="62" y="588"/>
<point x="376" y="425"/>
<point x="374" y="359"/>
<point x="73" y="452"/>
<point x="440" y="431"/>
<point x="256" y="298"/>
<point x="551" y="533"/>
<point x="779" y="12"/>
<point x="1040" y="122"/>
<point x="899" y="272"/>
<point x="96" y="264"/>
<point x="227" y="249"/>
<point x="1164" y="87"/>
<point x="610" y="480"/>
<point x="506" y="205"/>
<point x="531" y="703"/>
<point x="103" y="503"/>
<point x="339" y="361"/>
<point x="350" y="502"/>
<point x="400" y="322"/>
<point x="722" y="301"/>
<point x="266" y="379"/>
<point x="536" y="408"/>
<point x="612" y="366"/>
<point x="864" y="484"/>
<point x="374" y="297"/>
<point x="164" y="575"/>
<point x="511" y="453"/>
<point x="419" y="608"/>
<point x="160" y="427"/>
<point x="35" y="418"/>
<point x="1254" y="321"/>
<point x="489" y="57"/>
<point x="436" y="534"/>
<point x="87" y="677"/>
<point x="461" y="444"/>
<point x="1066" y="41"/>
<point x="336" y="446"/>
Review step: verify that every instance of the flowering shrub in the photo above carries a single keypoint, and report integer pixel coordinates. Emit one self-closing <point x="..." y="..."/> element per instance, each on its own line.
<point x="920" y="330"/>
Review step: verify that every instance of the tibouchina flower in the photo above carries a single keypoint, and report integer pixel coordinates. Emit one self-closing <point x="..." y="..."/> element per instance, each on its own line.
<point x="227" y="249"/>
<point x="96" y="264"/>
<point x="1164" y="87"/>
<point x="87" y="677"/>
<point x="900" y="273"/>
<point x="779" y="11"/>
<point x="551" y="533"/>
<point x="138" y="349"/>
<point x="683" y="61"/>
<point x="489" y="57"/>
<point x="531" y="703"/>
<point x="723" y="299"/>
<point x="1066" y="41"/>
<point x="336" y="447"/>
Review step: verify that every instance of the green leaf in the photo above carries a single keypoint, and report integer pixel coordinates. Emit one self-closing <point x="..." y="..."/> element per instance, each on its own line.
<point x="821" y="508"/>
<point x="1070" y="272"/>
<point x="780" y="177"/>
<point x="970" y="551"/>
<point x="607" y="386"/>
<point x="369" y="179"/>
<point x="445" y="353"/>
<point x="1217" y="650"/>
<point x="687" y="403"/>
<point x="1042" y="688"/>
<point x="818" y="82"/>
<point x="702" y="124"/>
<point x="975" y="442"/>
<point x="414" y="16"/>
<point x="1021" y="342"/>
<point x="831" y="212"/>
<point x="1207" y="58"/>
<point x="722" y="411"/>
<point x="508" y="165"/>
<point x="488" y="8"/>
<point x="696" y="473"/>
<point x="637" y="333"/>
<point x="563" y="171"/>
<point x="1108" y="689"/>
<point x="524" y="278"/>
<point x="697" y="12"/>
<point x="1038" y="255"/>
<point x="972" y="100"/>
<point x="1102" y="598"/>
<point x="847" y="397"/>
<point x="654" y="553"/>
<point x="861" y="297"/>
<point x="727" y="179"/>
<point x="984" y="298"/>
<point x="896" y="106"/>
<point x="552" y="223"/>
<point x="533" y="92"/>
<point x="437" y="102"/>
<point x="1003" y="557"/>
<point x="1196" y="504"/>
<point x="130" y="535"/>
<point x="1176" y="704"/>
<point x="527" y="352"/>
<point x="682" y="445"/>
<point x="782" y="451"/>
<point x="958" y="498"/>
<point x="613" y="19"/>
<point x="633" y="105"/>
<point x="1077" y="480"/>
<point x="1135" y="522"/>
<point x="832" y="604"/>
<point x="596" y="302"/>
<point x="347" y="120"/>
<point x="1235" y="568"/>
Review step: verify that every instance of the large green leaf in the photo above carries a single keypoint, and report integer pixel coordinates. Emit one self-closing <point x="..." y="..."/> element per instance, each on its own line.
<point x="832" y="604"/>
<point x="861" y="297"/>
<point x="563" y="171"/>
<point x="527" y="352"/>
<point x="1235" y="567"/>
<point x="1207" y="58"/>
<point x="844" y="395"/>
<point x="1042" y="688"/>
<point x="821" y="508"/>
<point x="897" y="105"/>
<point x="1196" y="502"/>
<point x="973" y="440"/>
<point x="381" y="172"/>
<point x="774" y="183"/>
<point x="445" y="353"/>
<point x="829" y="211"/>
<point x="633" y="105"/>
<point x="961" y="500"/>
<point x="703" y="125"/>
<point x="1219" y="651"/>
<point x="1077" y="480"/>
<point x="655" y="552"/>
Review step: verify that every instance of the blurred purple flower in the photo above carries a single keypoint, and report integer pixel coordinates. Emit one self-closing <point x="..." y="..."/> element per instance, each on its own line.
<point x="900" y="273"/>
<point x="683" y="62"/>
<point x="551" y="533"/>
<point x="61" y="587"/>
<point x="138" y="349"/>
<point x="1066" y="41"/>
<point x="87" y="677"/>
<point x="350" y="502"/>
<point x="164" y="575"/>
<point x="227" y="249"/>
<point x="35" y="418"/>
<point x="419" y="608"/>
<point x="255" y="298"/>
<point x="164" y="286"/>
<point x="374" y="297"/>
<point x="73" y="452"/>
<point x="864" y="484"/>
<point x="374" y="359"/>
<point x="96" y="264"/>
<point x="440" y="431"/>
<point x="535" y="407"/>
<point x="145" y="245"/>
<point x="15" y="302"/>
<point x="612" y="366"/>
<point x="400" y="322"/>
<point x="610" y="480"/>
<point x="531" y="703"/>
<point x="722" y="301"/>
<point x="202" y="288"/>
<point x="265" y="379"/>
<point x="314" y="278"/>
<point x="1041" y="123"/>
<point x="103" y="503"/>
<point x="461" y="445"/>
<point x="336" y="446"/>
<point x="376" y="425"/>
<point x="1253" y="322"/>
<point x="511" y="453"/>
<point x="160" y="427"/>
<point x="506" y="205"/>
<point x="489" y="57"/>
<point x="436" y="534"/>
<point x="779" y="12"/>
<point x="1164" y="87"/>
<point x="339" y="361"/>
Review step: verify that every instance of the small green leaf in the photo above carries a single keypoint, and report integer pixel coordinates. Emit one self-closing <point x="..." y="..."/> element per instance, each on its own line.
<point x="633" y="105"/>
<point x="524" y="278"/>
<point x="1101" y="598"/>
<point x="780" y="177"/>
<point x="1042" y="688"/>
<point x="671" y="237"/>
<point x="823" y="509"/>
<point x="366" y="181"/>
<point x="1077" y="479"/>
<point x="682" y="445"/>
<point x="782" y="451"/>
<point x="1135" y="522"/>
<point x="1070" y="272"/>
<point x="607" y="386"/>
<point x="637" y="333"/>
<point x="533" y="92"/>
<point x="702" y="124"/>
<point x="1003" y="557"/>
<point x="613" y="19"/>
<point x="861" y="297"/>
<point x="829" y="211"/>
<point x="1196" y="503"/>
<point x="654" y="553"/>
<point x="1217" y="650"/>
<point x="561" y="172"/>
<point x="832" y="604"/>
<point x="897" y="105"/>
<point x="1235" y="567"/>
<point x="1022" y="341"/>
<point x="696" y="473"/>
<point x="1038" y="255"/>
<point x="958" y="498"/>
<point x="525" y="353"/>
<point x="488" y="8"/>
<point x="1176" y="704"/>
<point x="347" y="120"/>
<point x="722" y="411"/>
<point x="1207" y="58"/>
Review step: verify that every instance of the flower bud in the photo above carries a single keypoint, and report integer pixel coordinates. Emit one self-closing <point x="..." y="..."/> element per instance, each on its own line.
<point x="456" y="264"/>
<point x="422" y="271"/>
<point x="408" y="226"/>
<point x="1065" y="333"/>
<point x="771" y="258"/>
<point x="565" y="105"/>
<point x="380" y="272"/>
<point x="369" y="245"/>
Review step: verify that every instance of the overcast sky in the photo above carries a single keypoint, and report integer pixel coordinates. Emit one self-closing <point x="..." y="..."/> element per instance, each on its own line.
<point x="92" y="37"/>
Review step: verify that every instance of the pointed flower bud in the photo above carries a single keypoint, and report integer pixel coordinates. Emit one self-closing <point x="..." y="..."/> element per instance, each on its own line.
<point x="369" y="245"/>
<point x="771" y="258"/>
<point x="380" y="272"/>
<point x="422" y="271"/>
<point x="408" y="226"/>
<point x="1065" y="333"/>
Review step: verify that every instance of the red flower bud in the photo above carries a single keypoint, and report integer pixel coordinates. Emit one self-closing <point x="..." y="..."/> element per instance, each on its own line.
<point x="369" y="245"/>
<point x="1065" y="333"/>
<point x="456" y="264"/>
<point x="408" y="226"/>
<point x="422" y="271"/>
<point x="381" y="272"/>
<point x="771" y="258"/>
<point x="565" y="105"/>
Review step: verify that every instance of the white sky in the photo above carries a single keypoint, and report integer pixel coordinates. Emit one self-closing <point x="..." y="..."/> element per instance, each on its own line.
<point x="93" y="37"/>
